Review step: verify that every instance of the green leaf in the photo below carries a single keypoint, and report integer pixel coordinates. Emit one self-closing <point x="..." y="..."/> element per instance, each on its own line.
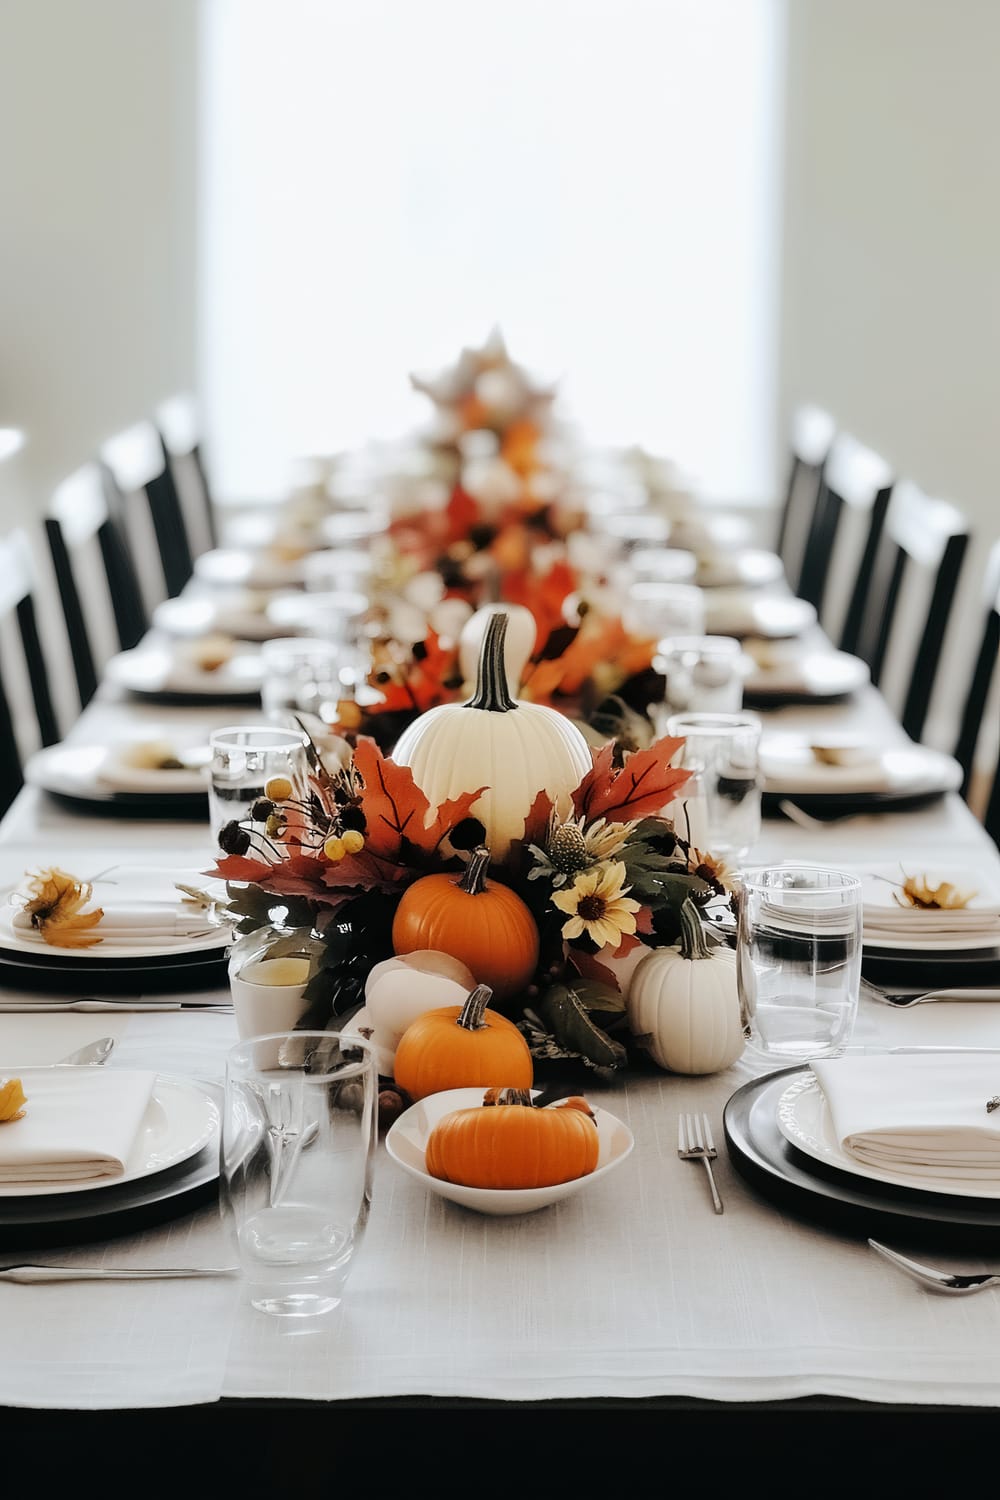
<point x="566" y="1017"/>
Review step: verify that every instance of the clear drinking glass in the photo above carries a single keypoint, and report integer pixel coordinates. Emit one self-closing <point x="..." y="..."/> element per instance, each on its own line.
<point x="653" y="610"/>
<point x="718" y="809"/>
<point x="702" y="673"/>
<point x="244" y="758"/>
<point x="299" y="1131"/>
<point x="306" y="675"/>
<point x="799" y="961"/>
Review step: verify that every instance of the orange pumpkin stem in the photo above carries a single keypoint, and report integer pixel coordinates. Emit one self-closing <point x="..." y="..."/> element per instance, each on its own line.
<point x="508" y="1096"/>
<point x="471" y="1015"/>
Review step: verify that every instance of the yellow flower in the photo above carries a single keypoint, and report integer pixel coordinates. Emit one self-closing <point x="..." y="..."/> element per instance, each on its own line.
<point x="712" y="870"/>
<point x="918" y="891"/>
<point x="597" y="904"/>
<point x="55" y="909"/>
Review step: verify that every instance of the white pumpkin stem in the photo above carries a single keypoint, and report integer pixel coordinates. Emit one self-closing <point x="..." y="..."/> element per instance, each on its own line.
<point x="471" y="1016"/>
<point x="473" y="882"/>
<point x="693" y="944"/>
<point x="492" y="692"/>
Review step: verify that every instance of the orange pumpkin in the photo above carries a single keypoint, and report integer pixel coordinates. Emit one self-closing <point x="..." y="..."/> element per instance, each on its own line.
<point x="458" y="1047"/>
<point x="481" y="922"/>
<point x="516" y="1145"/>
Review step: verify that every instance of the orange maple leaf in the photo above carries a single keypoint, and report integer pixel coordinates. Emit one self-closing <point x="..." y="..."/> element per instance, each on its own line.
<point x="396" y="808"/>
<point x="640" y="788"/>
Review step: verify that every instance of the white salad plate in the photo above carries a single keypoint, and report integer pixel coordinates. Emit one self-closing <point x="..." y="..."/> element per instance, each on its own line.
<point x="97" y="772"/>
<point x="243" y="616"/>
<point x="742" y="612"/>
<point x="406" y="1142"/>
<point x="180" y="1119"/>
<point x="804" y="1119"/>
<point x="790" y="768"/>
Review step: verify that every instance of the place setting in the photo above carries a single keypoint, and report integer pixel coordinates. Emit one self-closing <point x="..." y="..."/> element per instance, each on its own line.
<point x="205" y="669"/>
<point x="786" y="672"/>
<point x="868" y="1138"/>
<point x="836" y="774"/>
<point x="126" y="930"/>
<point x="155" y="775"/>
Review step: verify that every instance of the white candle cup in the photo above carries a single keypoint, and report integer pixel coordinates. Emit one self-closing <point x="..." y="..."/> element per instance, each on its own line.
<point x="269" y="972"/>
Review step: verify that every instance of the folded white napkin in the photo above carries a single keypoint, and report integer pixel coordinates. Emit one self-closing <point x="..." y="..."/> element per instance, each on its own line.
<point x="134" y="922"/>
<point x="884" y="917"/>
<point x="923" y="1115"/>
<point x="77" y="1123"/>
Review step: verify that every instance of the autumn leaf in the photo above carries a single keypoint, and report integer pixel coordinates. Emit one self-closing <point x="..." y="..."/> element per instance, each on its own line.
<point x="55" y="906"/>
<point x="396" y="808"/>
<point x="462" y="515"/>
<point x="536" y="823"/>
<point x="643" y="786"/>
<point x="431" y="678"/>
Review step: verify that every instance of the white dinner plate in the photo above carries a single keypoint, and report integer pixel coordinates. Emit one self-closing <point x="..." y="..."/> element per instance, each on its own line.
<point x="406" y="1141"/>
<point x="141" y="883"/>
<point x="751" y="569"/>
<point x="804" y="1120"/>
<point x="790" y="769"/>
<point x="809" y="674"/>
<point x="180" y="1119"/>
<point x="158" y="670"/>
<point x="94" y="772"/>
<point x="244" y="616"/>
<point x="238" y="567"/>
<point x="741" y="612"/>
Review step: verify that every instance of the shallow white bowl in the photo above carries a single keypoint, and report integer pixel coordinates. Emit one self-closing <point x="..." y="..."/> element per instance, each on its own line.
<point x="407" y="1139"/>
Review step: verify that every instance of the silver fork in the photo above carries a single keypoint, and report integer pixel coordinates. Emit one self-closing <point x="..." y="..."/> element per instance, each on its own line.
<point x="901" y="999"/>
<point x="695" y="1143"/>
<point x="940" y="1281"/>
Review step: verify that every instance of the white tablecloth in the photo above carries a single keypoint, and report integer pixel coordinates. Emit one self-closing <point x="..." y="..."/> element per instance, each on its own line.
<point x="632" y="1289"/>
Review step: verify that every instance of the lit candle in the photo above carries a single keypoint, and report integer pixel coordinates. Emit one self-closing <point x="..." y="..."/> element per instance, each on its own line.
<point x="277" y="971"/>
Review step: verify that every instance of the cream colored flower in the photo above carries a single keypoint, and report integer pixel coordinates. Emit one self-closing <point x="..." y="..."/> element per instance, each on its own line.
<point x="597" y="904"/>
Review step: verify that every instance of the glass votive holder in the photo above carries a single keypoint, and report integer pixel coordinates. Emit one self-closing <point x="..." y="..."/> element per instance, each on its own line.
<point x="301" y="674"/>
<point x="628" y="531"/>
<point x="662" y="565"/>
<point x="330" y="614"/>
<point x="718" y="808"/>
<point x="654" y="610"/>
<point x="701" y="674"/>
<point x="799" y="945"/>
<point x="244" y="758"/>
<point x="347" y="570"/>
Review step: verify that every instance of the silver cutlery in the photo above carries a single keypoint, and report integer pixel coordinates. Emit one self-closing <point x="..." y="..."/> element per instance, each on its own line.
<point x="92" y="1055"/>
<point x="795" y="814"/>
<point x="89" y="1004"/>
<point x="30" y="1274"/>
<point x="937" y="1280"/>
<point x="902" y="999"/>
<point x="695" y="1143"/>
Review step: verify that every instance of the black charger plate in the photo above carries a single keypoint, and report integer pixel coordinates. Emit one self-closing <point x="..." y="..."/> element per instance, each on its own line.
<point x="932" y="971"/>
<point x="184" y="806"/>
<point x="78" y="1218"/>
<point x="824" y="1195"/>
<point x="149" y="977"/>
<point x="848" y="804"/>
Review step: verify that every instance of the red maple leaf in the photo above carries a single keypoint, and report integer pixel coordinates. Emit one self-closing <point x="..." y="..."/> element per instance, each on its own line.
<point x="396" y="809"/>
<point x="462" y="514"/>
<point x="641" y="788"/>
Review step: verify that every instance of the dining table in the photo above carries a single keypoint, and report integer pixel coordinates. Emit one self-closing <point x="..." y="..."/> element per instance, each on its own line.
<point x="632" y="1296"/>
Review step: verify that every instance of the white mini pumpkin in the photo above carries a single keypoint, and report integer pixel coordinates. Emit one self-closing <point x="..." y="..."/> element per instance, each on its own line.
<point x="685" y="1002"/>
<point x="514" y="749"/>
<point x="519" y="642"/>
<point x="400" y="989"/>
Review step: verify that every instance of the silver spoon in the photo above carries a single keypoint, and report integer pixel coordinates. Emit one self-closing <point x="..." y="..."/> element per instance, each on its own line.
<point x="930" y="1276"/>
<point x="92" y="1055"/>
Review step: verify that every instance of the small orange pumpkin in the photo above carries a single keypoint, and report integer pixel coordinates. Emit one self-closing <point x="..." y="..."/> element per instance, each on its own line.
<point x="459" y="1047"/>
<point x="481" y="922"/>
<point x="515" y="1146"/>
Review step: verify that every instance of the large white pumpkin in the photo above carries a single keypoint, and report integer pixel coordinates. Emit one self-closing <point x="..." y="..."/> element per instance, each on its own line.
<point x="686" y="1003"/>
<point x="513" y="748"/>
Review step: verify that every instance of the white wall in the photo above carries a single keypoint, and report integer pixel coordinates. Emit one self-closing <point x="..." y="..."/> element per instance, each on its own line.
<point x="98" y="206"/>
<point x="891" y="276"/>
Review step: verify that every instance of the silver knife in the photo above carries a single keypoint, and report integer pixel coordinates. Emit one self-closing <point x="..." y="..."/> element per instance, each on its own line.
<point x="30" y="1274"/>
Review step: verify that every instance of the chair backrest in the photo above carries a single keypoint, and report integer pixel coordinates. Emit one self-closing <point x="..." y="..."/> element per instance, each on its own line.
<point x="923" y="542"/>
<point x="180" y="430"/>
<point x="811" y="436"/>
<point x="80" y="519"/>
<point x="17" y="584"/>
<point x="137" y="469"/>
<point x="855" y="483"/>
<point x="980" y="694"/>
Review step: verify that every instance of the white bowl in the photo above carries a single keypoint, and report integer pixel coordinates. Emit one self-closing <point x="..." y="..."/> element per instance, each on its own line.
<point x="407" y="1138"/>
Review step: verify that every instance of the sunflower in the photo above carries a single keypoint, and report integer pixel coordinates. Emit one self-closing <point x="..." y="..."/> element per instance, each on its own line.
<point x="597" y="905"/>
<point x="712" y="870"/>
